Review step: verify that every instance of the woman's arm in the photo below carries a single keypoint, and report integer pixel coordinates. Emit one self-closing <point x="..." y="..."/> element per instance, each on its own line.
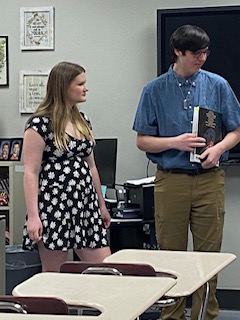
<point x="97" y="185"/>
<point x="33" y="146"/>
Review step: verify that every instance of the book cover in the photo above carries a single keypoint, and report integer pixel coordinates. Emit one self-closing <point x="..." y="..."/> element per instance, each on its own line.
<point x="206" y="124"/>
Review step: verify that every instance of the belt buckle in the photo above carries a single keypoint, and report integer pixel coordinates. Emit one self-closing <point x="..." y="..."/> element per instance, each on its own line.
<point x="194" y="172"/>
<point x="198" y="171"/>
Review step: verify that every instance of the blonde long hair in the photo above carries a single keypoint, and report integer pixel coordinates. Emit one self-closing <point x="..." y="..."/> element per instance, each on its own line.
<point x="54" y="104"/>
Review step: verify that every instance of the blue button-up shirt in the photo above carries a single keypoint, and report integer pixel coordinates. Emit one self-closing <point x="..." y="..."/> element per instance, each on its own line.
<point x="161" y="111"/>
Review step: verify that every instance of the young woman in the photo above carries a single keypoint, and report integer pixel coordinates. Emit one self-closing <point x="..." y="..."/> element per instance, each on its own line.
<point x="65" y="206"/>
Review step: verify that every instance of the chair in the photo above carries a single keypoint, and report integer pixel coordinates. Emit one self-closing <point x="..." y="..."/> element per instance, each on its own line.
<point x="33" y="305"/>
<point x="120" y="269"/>
<point x="108" y="268"/>
<point x="11" y="307"/>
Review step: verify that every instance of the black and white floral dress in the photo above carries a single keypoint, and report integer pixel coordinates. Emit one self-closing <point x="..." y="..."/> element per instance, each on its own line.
<point x="67" y="200"/>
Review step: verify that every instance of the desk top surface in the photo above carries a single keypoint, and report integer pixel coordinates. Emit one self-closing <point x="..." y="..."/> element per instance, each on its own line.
<point x="18" y="316"/>
<point x="192" y="269"/>
<point x="117" y="297"/>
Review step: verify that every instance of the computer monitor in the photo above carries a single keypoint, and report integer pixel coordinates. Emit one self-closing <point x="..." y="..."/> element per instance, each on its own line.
<point x="105" y="154"/>
<point x="221" y="23"/>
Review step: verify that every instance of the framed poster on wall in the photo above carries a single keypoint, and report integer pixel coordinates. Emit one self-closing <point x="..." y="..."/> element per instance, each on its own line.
<point x="4" y="61"/>
<point x="37" y="28"/>
<point x="32" y="89"/>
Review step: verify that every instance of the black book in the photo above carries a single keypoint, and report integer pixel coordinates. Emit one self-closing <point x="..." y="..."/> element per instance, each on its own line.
<point x="206" y="124"/>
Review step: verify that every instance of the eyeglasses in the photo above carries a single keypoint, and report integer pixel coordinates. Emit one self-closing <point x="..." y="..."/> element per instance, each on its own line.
<point x="198" y="53"/>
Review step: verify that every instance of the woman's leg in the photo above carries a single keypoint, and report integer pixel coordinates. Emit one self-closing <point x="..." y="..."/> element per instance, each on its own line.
<point x="51" y="259"/>
<point x="93" y="255"/>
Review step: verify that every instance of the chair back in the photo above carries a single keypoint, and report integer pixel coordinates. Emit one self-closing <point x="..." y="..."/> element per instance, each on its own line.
<point x="130" y="269"/>
<point x="10" y="307"/>
<point x="117" y="268"/>
<point x="34" y="305"/>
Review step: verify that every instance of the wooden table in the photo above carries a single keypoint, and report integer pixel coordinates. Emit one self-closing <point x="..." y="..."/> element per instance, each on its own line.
<point x="117" y="297"/>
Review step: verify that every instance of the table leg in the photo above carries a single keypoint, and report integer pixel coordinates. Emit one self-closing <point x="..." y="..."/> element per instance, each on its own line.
<point x="203" y="309"/>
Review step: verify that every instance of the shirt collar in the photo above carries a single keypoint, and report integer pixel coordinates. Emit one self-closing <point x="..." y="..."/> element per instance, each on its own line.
<point x="182" y="81"/>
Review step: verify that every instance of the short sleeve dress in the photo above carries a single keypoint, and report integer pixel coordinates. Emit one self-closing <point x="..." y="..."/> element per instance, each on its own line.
<point x="67" y="200"/>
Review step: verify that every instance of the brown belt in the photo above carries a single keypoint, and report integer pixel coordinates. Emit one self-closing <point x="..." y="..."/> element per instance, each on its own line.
<point x="190" y="172"/>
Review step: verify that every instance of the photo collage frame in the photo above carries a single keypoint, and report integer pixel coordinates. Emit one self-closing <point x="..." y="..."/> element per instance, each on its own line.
<point x="11" y="149"/>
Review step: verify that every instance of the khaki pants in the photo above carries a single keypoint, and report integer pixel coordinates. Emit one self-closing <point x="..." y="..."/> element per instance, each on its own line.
<point x="183" y="201"/>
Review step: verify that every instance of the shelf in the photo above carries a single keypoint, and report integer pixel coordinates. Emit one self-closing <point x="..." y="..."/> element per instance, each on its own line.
<point x="4" y="208"/>
<point x="15" y="211"/>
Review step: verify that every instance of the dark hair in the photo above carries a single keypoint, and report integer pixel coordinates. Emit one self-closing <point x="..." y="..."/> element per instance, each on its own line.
<point x="188" y="37"/>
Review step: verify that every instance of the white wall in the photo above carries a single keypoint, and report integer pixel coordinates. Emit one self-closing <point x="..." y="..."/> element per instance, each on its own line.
<point x="115" y="40"/>
<point x="230" y="277"/>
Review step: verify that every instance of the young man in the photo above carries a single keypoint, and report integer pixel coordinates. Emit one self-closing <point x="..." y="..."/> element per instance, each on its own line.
<point x="187" y="194"/>
<point x="15" y="151"/>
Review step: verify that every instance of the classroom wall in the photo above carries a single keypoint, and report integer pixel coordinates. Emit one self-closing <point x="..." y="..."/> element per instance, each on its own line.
<point x="115" y="40"/>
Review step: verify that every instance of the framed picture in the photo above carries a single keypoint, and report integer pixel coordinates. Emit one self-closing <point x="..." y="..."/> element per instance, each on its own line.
<point x="4" y="61"/>
<point x="11" y="149"/>
<point x="16" y="149"/>
<point x="32" y="89"/>
<point x="5" y="147"/>
<point x="37" y="28"/>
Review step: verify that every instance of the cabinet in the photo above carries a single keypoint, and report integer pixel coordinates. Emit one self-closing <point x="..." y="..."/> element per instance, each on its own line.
<point x="132" y="234"/>
<point x="11" y="183"/>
